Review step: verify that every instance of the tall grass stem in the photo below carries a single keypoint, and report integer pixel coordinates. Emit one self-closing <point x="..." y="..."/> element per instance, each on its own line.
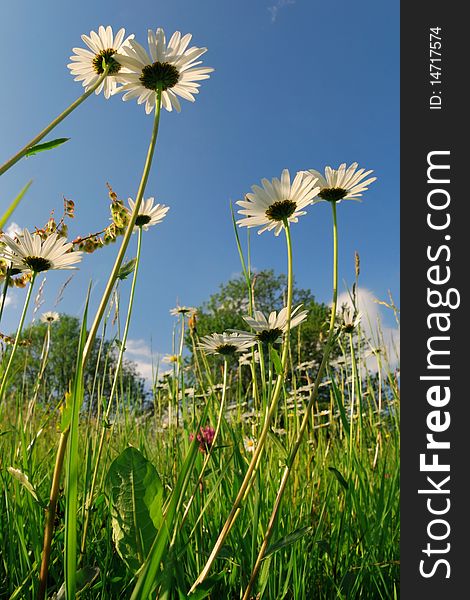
<point x="128" y="233"/>
<point x="248" y="479"/>
<point x="17" y="337"/>
<point x="313" y="396"/>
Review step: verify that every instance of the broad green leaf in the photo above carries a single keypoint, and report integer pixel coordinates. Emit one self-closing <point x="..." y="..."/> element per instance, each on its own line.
<point x="339" y="477"/>
<point x="46" y="146"/>
<point x="288" y="539"/>
<point x="136" y="495"/>
<point x="126" y="269"/>
<point x="148" y="573"/>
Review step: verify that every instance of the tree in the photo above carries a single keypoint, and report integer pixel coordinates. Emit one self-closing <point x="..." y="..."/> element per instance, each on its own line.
<point x="224" y="310"/>
<point x="61" y="362"/>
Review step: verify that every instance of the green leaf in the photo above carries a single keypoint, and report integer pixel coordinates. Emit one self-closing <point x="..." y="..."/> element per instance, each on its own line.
<point x="148" y="573"/>
<point x="66" y="412"/>
<point x="339" y="477"/>
<point x="278" y="443"/>
<point x="9" y="211"/>
<point x="276" y="361"/>
<point x="136" y="495"/>
<point x="126" y="269"/>
<point x="85" y="577"/>
<point x="288" y="539"/>
<point x="46" y="146"/>
<point x="118" y="344"/>
<point x="339" y="403"/>
<point x="204" y="589"/>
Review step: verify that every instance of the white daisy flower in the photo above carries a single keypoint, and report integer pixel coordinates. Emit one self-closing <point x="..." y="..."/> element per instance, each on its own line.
<point x="249" y="444"/>
<point x="172" y="64"/>
<point x="87" y="65"/>
<point x="149" y="214"/>
<point x="30" y="253"/>
<point x="247" y="358"/>
<point x="277" y="201"/>
<point x="50" y="317"/>
<point x="270" y="330"/>
<point x="342" y="183"/>
<point x="350" y="320"/>
<point x="182" y="310"/>
<point x="170" y="358"/>
<point x="224" y="343"/>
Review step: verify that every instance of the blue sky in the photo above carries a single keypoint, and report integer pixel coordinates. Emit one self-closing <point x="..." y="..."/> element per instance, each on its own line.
<point x="298" y="84"/>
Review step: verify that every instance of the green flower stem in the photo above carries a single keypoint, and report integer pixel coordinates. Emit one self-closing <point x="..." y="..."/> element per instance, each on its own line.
<point x="127" y="235"/>
<point x="180" y="375"/>
<point x="313" y="396"/>
<point x="262" y="370"/>
<point x="19" y="155"/>
<point x="17" y="338"/>
<point x="122" y="349"/>
<point x="249" y="475"/>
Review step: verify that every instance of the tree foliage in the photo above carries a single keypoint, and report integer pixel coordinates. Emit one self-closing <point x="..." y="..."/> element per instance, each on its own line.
<point x="61" y="360"/>
<point x="224" y="310"/>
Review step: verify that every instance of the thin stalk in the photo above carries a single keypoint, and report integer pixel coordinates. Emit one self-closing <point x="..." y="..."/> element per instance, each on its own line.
<point x="209" y="453"/>
<point x="50" y="515"/>
<point x="19" y="155"/>
<point x="17" y="338"/>
<point x="180" y="376"/>
<point x="356" y="392"/>
<point x="248" y="479"/>
<point x="44" y="356"/>
<point x="311" y="402"/>
<point x="5" y="291"/>
<point x="111" y="395"/>
<point x="128" y="233"/>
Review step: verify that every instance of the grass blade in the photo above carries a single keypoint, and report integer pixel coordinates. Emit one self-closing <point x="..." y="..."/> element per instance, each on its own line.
<point x="73" y="464"/>
<point x="7" y="214"/>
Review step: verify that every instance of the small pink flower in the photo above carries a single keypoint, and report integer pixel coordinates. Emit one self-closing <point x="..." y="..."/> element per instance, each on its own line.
<point x="205" y="437"/>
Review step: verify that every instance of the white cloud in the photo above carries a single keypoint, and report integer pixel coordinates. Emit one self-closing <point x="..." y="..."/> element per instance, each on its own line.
<point x="12" y="229"/>
<point x="146" y="361"/>
<point x="145" y="369"/>
<point x="371" y="322"/>
<point x="139" y="352"/>
<point x="275" y="8"/>
<point x="10" y="300"/>
<point x="138" y="348"/>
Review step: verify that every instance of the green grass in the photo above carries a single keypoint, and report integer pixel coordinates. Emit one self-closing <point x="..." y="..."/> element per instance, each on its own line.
<point x="337" y="532"/>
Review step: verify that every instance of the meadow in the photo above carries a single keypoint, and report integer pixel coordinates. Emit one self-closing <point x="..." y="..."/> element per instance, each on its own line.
<point x="248" y="472"/>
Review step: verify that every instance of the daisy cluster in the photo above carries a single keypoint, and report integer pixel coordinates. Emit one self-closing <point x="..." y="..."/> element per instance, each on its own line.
<point x="170" y="67"/>
<point x="279" y="202"/>
<point x="160" y="75"/>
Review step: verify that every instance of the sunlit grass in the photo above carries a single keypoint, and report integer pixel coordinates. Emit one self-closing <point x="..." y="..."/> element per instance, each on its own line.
<point x="340" y="507"/>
